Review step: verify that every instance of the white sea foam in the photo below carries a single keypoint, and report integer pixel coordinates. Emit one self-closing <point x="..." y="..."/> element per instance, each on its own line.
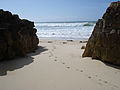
<point x="59" y="30"/>
<point x="60" y="24"/>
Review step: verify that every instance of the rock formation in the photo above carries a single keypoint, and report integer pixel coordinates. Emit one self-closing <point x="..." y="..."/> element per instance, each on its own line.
<point x="17" y="37"/>
<point x="104" y="43"/>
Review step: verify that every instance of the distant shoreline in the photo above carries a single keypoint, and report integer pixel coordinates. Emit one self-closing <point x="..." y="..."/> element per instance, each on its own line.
<point x="65" y="21"/>
<point x="63" y="38"/>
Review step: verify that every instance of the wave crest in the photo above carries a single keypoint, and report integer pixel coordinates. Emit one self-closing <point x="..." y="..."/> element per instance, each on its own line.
<point x="64" y="24"/>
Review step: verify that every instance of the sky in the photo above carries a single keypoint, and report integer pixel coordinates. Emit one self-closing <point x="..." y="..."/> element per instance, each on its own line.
<point x="57" y="10"/>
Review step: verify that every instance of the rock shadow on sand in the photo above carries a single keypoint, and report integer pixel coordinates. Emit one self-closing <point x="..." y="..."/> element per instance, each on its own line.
<point x="11" y="65"/>
<point x="109" y="64"/>
<point x="112" y="65"/>
<point x="39" y="50"/>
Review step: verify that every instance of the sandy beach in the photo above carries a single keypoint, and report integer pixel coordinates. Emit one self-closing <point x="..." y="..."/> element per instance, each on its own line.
<point x="58" y="65"/>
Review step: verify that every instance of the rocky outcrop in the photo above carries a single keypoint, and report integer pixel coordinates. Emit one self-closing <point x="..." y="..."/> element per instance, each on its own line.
<point x="104" y="43"/>
<point x="17" y="37"/>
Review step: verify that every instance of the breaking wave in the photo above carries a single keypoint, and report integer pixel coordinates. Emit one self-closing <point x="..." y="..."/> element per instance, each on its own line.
<point x="65" y="30"/>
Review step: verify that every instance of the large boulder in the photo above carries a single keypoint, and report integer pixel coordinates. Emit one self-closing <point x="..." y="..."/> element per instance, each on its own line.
<point x="17" y="36"/>
<point x="104" y="43"/>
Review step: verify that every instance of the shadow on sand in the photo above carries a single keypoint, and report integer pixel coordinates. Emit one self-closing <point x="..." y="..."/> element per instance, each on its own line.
<point x="112" y="65"/>
<point x="109" y="64"/>
<point x="11" y="65"/>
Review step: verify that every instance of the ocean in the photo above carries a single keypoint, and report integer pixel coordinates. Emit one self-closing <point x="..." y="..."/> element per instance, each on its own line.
<point x="80" y="30"/>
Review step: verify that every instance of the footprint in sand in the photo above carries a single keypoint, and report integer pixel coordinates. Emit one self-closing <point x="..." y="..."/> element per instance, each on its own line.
<point x="68" y="67"/>
<point x="50" y="56"/>
<point x="63" y="63"/>
<point x="55" y="60"/>
<point x="89" y="77"/>
<point x="81" y="70"/>
<point x="100" y="80"/>
<point x="96" y="75"/>
<point x="114" y="87"/>
<point x="105" y="82"/>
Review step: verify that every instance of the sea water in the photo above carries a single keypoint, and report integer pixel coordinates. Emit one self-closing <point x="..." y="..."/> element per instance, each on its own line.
<point x="80" y="30"/>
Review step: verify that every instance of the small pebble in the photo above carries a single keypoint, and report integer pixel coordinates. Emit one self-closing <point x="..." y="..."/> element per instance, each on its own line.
<point x="80" y="41"/>
<point x="83" y="47"/>
<point x="64" y="42"/>
<point x="49" y="41"/>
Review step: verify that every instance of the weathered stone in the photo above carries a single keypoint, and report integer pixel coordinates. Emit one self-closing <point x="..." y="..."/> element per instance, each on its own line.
<point x="83" y="47"/>
<point x="104" y="43"/>
<point x="17" y="37"/>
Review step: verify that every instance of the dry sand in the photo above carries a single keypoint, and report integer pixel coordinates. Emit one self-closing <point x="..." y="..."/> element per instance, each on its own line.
<point x="58" y="65"/>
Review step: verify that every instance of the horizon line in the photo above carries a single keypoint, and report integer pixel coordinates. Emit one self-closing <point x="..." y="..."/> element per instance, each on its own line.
<point x="65" y="21"/>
